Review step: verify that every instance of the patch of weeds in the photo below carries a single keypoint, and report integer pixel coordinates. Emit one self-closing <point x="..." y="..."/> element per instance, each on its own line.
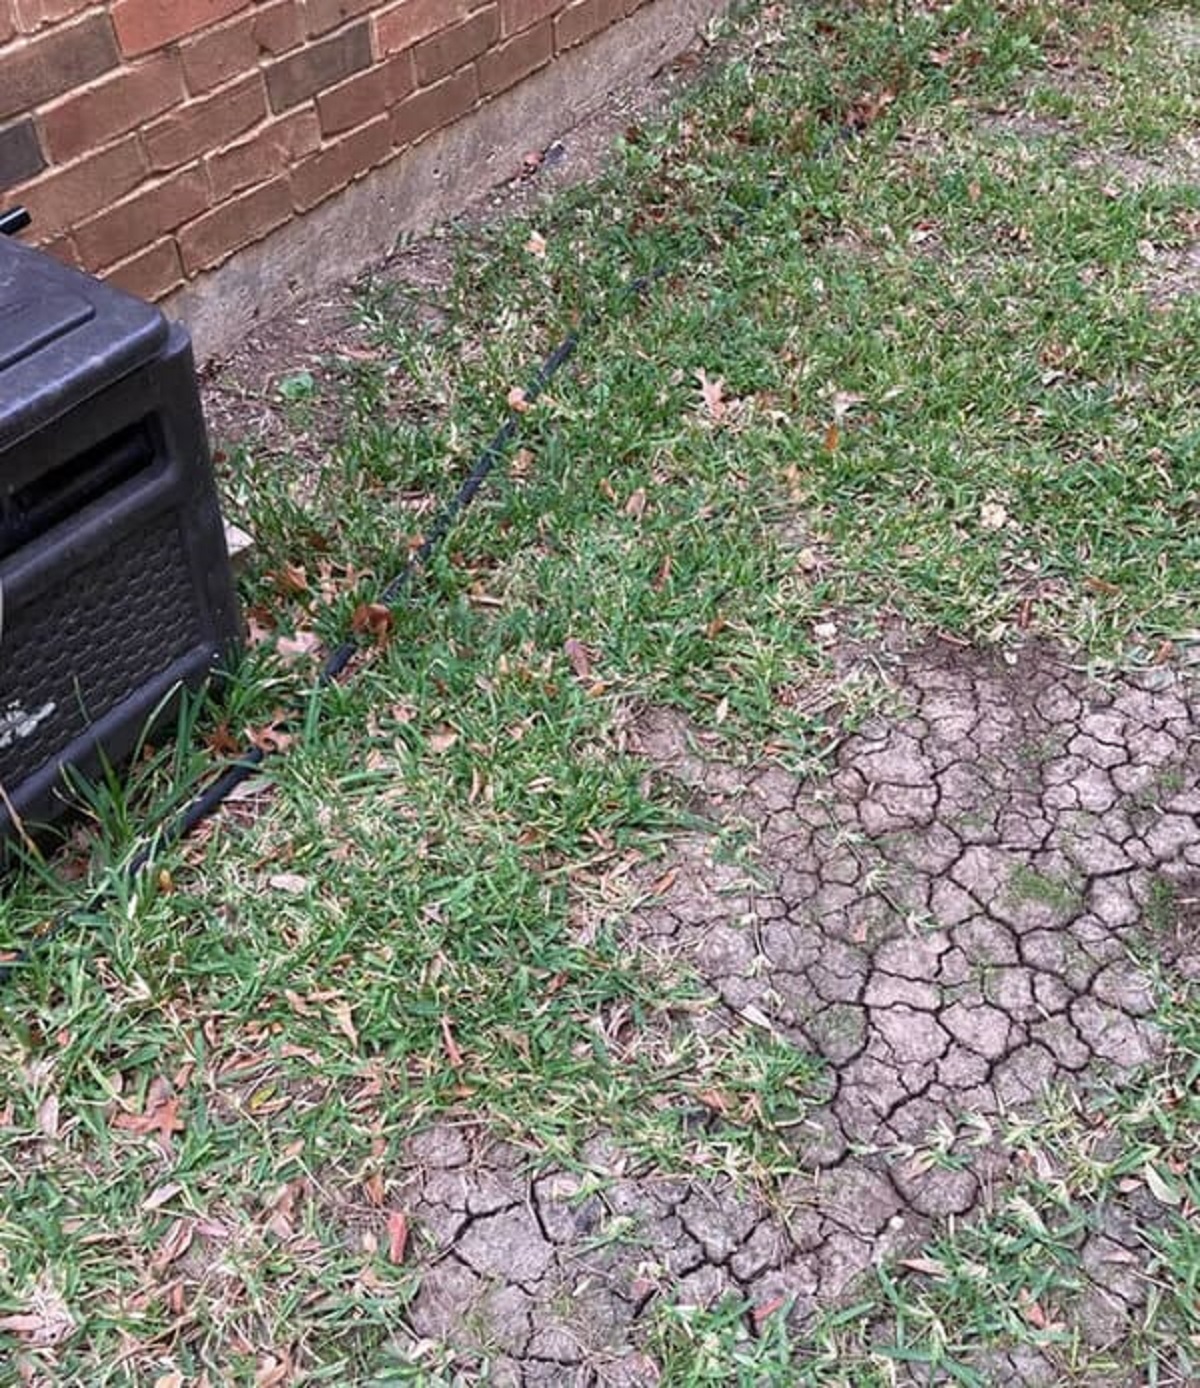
<point x="1061" y="894"/>
<point x="1150" y="797"/>
<point x="1161" y="909"/>
<point x="699" y="1347"/>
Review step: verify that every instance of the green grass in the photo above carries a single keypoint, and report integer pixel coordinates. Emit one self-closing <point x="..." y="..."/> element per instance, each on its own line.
<point x="946" y="398"/>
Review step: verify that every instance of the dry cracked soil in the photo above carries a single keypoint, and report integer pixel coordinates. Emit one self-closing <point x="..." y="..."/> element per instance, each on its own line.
<point x="968" y="910"/>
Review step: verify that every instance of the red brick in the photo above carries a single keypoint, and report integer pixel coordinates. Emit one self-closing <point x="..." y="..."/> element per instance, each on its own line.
<point x="209" y="122"/>
<point x="33" y="14"/>
<point x="272" y="148"/>
<point x="65" y="197"/>
<point x="322" y="15"/>
<point x="434" y="107"/>
<point x="455" y="47"/>
<point x="55" y="62"/>
<point x="317" y="66"/>
<point x="356" y="101"/>
<point x="584" y="18"/>
<point x="21" y="155"/>
<point x="505" y="66"/>
<point x="151" y="212"/>
<point x="522" y="14"/>
<point x="338" y="164"/>
<point x="62" y="248"/>
<point x="269" y="151"/>
<point x="240" y="222"/>
<point x="413" y="20"/>
<point x="111" y="107"/>
<point x="143" y="25"/>
<point x="221" y="54"/>
<point x="152" y="273"/>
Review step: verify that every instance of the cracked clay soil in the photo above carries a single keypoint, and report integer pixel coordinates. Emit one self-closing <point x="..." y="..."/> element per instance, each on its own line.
<point x="960" y="916"/>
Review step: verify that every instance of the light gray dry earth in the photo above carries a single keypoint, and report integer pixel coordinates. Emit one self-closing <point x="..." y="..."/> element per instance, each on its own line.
<point x="968" y="910"/>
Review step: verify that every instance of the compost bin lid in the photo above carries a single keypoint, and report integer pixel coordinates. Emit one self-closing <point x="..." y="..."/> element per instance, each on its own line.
<point x="64" y="337"/>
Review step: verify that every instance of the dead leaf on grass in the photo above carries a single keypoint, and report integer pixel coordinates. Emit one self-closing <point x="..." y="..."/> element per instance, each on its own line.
<point x="453" y="1054"/>
<point x="176" y="1243"/>
<point x="221" y="742"/>
<point x="1035" y="1313"/>
<point x="290" y="882"/>
<point x="1101" y="586"/>
<point x="291" y="648"/>
<point x="47" y="1116"/>
<point x="712" y="393"/>
<point x="373" y="1189"/>
<point x="272" y="1371"/>
<point x="46" y="1321"/>
<point x="397" y="1230"/>
<point x="577" y="654"/>
<point x="161" y="1195"/>
<point x="373" y="619"/>
<point x="664" y="884"/>
<point x="290" y="578"/>
<point x="343" y="1016"/>
<point x="271" y="737"/>
<point x="993" y="516"/>
<point x="714" y="1099"/>
<point x="159" y="1118"/>
<point x="767" y="1309"/>
<point x="442" y="740"/>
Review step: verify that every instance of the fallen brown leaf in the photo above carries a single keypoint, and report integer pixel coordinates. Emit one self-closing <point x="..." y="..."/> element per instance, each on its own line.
<point x="290" y="882"/>
<point x="47" y="1116"/>
<point x="442" y="740"/>
<point x="712" y="392"/>
<point x="290" y="578"/>
<point x="1101" y="585"/>
<point x="397" y="1229"/>
<point x="160" y="1116"/>
<point x="272" y="1371"/>
<point x="767" y="1309"/>
<point x="373" y="619"/>
<point x="176" y="1243"/>
<point x="343" y="1015"/>
<point x="577" y="654"/>
<point x="453" y="1054"/>
<point x="161" y="1195"/>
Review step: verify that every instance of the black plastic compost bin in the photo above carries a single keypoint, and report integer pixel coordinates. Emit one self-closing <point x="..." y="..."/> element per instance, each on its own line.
<point x="115" y="586"/>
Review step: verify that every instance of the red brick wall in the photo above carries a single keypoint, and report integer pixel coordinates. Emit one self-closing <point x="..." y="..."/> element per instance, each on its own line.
<point x="152" y="139"/>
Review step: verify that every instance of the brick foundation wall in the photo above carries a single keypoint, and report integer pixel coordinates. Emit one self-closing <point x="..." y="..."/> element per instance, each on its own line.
<point x="154" y="139"/>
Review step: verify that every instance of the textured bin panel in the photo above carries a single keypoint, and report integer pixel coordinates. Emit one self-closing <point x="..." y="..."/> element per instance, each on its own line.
<point x="114" y="579"/>
<point x="84" y="648"/>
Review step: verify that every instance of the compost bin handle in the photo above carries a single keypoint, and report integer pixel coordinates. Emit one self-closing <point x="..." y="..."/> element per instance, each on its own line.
<point x="13" y="221"/>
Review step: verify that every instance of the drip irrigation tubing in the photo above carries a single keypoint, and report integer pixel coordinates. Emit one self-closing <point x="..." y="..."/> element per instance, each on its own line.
<point x="248" y="762"/>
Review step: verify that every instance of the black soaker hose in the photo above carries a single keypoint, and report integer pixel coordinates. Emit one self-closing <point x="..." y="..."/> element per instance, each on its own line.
<point x="213" y="796"/>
